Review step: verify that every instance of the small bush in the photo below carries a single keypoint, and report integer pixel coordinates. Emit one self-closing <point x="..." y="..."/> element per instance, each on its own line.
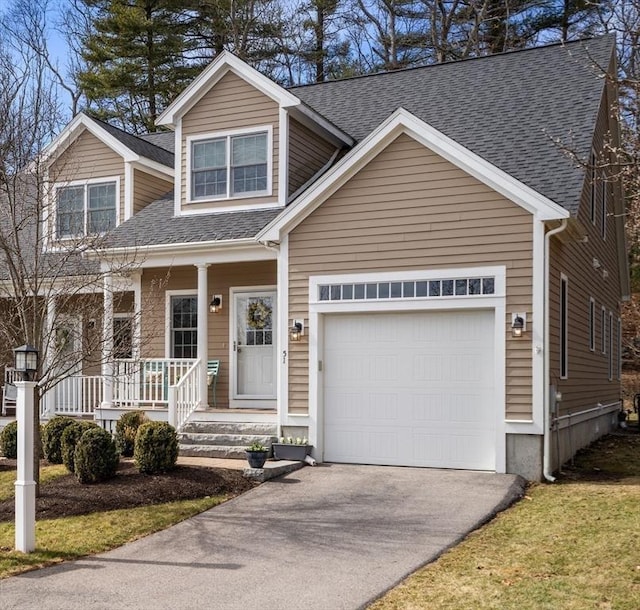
<point x="9" y="440"/>
<point x="70" y="438"/>
<point x="96" y="456"/>
<point x="156" y="448"/>
<point x="126" y="430"/>
<point x="52" y="438"/>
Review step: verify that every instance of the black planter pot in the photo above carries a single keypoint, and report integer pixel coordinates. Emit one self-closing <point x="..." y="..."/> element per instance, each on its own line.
<point x="257" y="459"/>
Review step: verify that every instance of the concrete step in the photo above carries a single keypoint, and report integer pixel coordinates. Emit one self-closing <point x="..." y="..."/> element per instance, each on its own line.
<point x="233" y="440"/>
<point x="235" y="428"/>
<point x="214" y="451"/>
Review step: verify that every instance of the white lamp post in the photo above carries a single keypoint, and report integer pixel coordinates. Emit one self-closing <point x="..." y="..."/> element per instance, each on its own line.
<point x="26" y="362"/>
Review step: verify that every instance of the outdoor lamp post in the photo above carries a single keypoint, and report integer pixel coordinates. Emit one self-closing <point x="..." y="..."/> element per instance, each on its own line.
<point x="26" y="362"/>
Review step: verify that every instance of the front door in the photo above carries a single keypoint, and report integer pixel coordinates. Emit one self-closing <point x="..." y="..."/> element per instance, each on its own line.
<point x="254" y="344"/>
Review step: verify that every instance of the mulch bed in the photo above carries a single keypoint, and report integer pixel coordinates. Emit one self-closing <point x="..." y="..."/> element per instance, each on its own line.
<point x="64" y="496"/>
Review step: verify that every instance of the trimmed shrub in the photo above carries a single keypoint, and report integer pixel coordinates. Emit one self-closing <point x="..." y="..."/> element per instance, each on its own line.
<point x="70" y="437"/>
<point x="9" y="440"/>
<point x="52" y="438"/>
<point x="126" y="430"/>
<point x="156" y="448"/>
<point x="96" y="456"/>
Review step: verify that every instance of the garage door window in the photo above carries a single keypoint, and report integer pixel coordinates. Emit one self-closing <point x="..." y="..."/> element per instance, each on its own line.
<point x="454" y="287"/>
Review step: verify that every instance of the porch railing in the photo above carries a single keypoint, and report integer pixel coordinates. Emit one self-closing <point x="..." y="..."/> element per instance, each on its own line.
<point x="146" y="382"/>
<point x="184" y="396"/>
<point x="73" y="395"/>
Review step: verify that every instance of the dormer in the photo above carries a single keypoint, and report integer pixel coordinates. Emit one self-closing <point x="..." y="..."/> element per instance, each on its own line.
<point x="234" y="134"/>
<point x="98" y="177"/>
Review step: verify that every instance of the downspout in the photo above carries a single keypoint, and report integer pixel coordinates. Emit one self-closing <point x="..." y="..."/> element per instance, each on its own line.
<point x="546" y="451"/>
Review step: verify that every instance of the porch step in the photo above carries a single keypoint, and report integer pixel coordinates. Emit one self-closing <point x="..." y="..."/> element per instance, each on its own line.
<point x="224" y="439"/>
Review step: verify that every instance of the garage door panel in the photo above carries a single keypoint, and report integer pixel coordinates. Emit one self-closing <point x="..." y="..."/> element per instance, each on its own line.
<point x="413" y="389"/>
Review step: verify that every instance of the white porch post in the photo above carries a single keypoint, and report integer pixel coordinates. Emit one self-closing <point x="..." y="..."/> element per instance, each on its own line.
<point x="203" y="334"/>
<point x="107" y="342"/>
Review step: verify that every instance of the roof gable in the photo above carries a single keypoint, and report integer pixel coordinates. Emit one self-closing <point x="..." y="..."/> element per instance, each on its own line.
<point x="129" y="147"/>
<point x="223" y="63"/>
<point x="509" y="108"/>
<point x="402" y="121"/>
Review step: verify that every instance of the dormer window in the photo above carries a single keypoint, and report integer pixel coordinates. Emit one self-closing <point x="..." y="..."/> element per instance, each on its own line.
<point x="230" y="165"/>
<point x="86" y="209"/>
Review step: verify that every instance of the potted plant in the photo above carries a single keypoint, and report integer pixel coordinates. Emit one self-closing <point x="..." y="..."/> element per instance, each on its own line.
<point x="290" y="448"/>
<point x="257" y="455"/>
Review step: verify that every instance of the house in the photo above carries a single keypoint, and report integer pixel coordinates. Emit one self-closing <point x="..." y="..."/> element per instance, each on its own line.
<point x="407" y="268"/>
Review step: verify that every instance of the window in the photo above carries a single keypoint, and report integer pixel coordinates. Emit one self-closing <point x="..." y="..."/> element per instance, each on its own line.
<point x="426" y="288"/>
<point x="564" y="334"/>
<point x="229" y="166"/>
<point x="87" y="209"/>
<point x="610" y="346"/>
<point x="603" y="206"/>
<point x="184" y="326"/>
<point x="122" y="336"/>
<point x="603" y="328"/>
<point x="592" y="187"/>
<point x="592" y="324"/>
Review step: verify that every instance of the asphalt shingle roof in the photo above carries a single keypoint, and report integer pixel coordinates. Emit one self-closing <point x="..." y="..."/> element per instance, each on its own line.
<point x="506" y="108"/>
<point x="156" y="224"/>
<point x="163" y="139"/>
<point x="150" y="150"/>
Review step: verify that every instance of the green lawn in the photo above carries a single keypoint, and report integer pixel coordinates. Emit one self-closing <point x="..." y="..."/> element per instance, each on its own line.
<point x="574" y="544"/>
<point x="72" y="537"/>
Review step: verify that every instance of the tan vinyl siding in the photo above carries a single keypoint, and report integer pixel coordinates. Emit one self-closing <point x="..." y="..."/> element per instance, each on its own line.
<point x="148" y="188"/>
<point x="220" y="279"/>
<point x="86" y="159"/>
<point x="308" y="153"/>
<point x="411" y="209"/>
<point x="230" y="105"/>
<point x="588" y="371"/>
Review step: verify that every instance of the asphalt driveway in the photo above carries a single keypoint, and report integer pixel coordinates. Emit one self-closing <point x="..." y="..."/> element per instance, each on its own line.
<point x="329" y="537"/>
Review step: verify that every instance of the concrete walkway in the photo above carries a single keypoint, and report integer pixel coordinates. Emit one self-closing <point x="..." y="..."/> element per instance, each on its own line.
<point x="325" y="538"/>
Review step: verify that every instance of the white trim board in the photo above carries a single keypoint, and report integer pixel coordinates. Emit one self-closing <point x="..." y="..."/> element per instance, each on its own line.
<point x="402" y="121"/>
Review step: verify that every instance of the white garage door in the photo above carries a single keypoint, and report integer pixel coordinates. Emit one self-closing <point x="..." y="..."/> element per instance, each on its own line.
<point x="410" y="389"/>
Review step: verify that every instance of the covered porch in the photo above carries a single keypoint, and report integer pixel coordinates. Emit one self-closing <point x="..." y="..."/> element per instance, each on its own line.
<point x="203" y="337"/>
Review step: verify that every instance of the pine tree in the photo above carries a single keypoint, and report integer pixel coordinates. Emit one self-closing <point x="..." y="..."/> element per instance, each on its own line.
<point x="137" y="59"/>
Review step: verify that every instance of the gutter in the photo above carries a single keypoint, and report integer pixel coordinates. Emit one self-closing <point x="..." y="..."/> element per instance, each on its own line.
<point x="546" y="451"/>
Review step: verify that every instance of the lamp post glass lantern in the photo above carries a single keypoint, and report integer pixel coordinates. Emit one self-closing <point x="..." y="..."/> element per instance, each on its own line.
<point x="26" y="361"/>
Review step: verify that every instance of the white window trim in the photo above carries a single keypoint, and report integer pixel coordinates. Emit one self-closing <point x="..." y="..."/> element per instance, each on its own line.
<point x="317" y="309"/>
<point x="610" y="346"/>
<point x="190" y="140"/>
<point x="592" y="324"/>
<point x="564" y="315"/>
<point x="592" y="186"/>
<point x="619" y="362"/>
<point x="85" y="184"/>
<point x="186" y="292"/>
<point x="603" y="324"/>
<point x="603" y="206"/>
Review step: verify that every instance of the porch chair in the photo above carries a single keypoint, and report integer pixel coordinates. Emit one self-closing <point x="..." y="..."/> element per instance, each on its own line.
<point x="9" y="390"/>
<point x="213" y="366"/>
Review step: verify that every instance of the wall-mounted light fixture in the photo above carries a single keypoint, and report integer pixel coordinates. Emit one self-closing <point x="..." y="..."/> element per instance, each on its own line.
<point x="216" y="304"/>
<point x="518" y="324"/>
<point x="297" y="330"/>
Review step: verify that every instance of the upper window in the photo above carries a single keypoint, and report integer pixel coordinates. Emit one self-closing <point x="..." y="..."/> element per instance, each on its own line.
<point x="86" y="209"/>
<point x="603" y="205"/>
<point x="230" y="166"/>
